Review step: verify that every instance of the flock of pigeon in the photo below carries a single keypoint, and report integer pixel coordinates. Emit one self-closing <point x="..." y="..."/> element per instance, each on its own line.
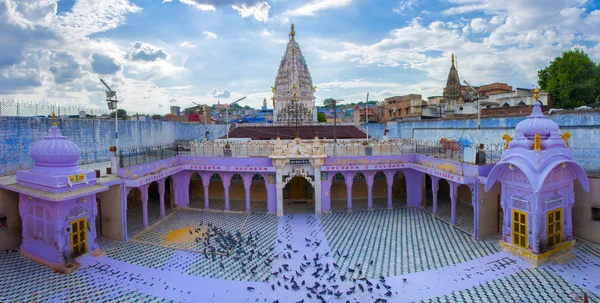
<point x="319" y="278"/>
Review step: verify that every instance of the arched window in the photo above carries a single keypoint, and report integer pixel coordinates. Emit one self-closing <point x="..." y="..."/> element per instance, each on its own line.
<point x="506" y="104"/>
<point x="522" y="103"/>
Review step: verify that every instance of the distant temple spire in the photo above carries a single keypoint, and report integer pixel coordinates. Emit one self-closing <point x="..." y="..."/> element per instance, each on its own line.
<point x="452" y="59"/>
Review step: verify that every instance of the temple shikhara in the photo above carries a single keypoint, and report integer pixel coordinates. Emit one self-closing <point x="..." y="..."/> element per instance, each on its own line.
<point x="298" y="211"/>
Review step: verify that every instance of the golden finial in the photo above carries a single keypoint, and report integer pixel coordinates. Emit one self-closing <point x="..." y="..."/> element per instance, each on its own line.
<point x="537" y="142"/>
<point x="566" y="137"/>
<point x="294" y="85"/>
<point x="452" y="59"/>
<point x="53" y="119"/>
<point x="506" y="138"/>
<point x="315" y="88"/>
<point x="536" y="94"/>
<point x="272" y="88"/>
<point x="292" y="32"/>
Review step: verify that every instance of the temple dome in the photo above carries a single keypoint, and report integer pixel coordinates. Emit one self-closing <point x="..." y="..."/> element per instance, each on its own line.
<point x="55" y="150"/>
<point x="537" y="123"/>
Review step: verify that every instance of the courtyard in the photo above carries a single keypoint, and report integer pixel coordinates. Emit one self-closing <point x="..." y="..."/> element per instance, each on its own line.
<point x="398" y="255"/>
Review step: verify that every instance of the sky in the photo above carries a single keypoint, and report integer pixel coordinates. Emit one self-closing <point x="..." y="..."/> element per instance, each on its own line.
<point x="159" y="53"/>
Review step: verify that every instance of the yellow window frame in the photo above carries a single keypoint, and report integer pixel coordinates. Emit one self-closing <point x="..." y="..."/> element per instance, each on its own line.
<point x="78" y="237"/>
<point x="519" y="228"/>
<point x="554" y="222"/>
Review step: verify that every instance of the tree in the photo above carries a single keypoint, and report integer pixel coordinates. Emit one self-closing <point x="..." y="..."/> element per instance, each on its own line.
<point x="156" y="117"/>
<point x="572" y="80"/>
<point x="321" y="117"/>
<point x="327" y="103"/>
<point x="121" y="113"/>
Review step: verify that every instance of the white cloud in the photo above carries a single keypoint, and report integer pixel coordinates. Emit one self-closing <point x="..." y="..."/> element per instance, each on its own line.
<point x="403" y="5"/>
<point x="200" y="6"/>
<point x="318" y="5"/>
<point x="479" y="25"/>
<point x="210" y="35"/>
<point x="265" y="33"/>
<point x="187" y="44"/>
<point x="260" y="10"/>
<point x="216" y="94"/>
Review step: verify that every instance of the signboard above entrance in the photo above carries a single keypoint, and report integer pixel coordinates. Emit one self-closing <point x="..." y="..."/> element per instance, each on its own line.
<point x="299" y="162"/>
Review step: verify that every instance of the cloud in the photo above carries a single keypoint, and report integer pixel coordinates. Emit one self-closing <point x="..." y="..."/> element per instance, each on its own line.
<point x="172" y="101"/>
<point x="403" y="5"/>
<point x="265" y="33"/>
<point x="210" y="35"/>
<point x="146" y="52"/>
<point x="187" y="44"/>
<point x="260" y="10"/>
<point x="13" y="79"/>
<point x="90" y="16"/>
<point x="479" y="25"/>
<point x="106" y="65"/>
<point x="318" y="5"/>
<point x="197" y="4"/>
<point x="65" y="68"/>
<point x="216" y="94"/>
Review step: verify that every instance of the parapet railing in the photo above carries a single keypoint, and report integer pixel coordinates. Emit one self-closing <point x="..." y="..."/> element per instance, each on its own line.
<point x="451" y="150"/>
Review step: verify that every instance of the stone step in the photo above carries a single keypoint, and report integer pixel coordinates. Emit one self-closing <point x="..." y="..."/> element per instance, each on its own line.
<point x="562" y="257"/>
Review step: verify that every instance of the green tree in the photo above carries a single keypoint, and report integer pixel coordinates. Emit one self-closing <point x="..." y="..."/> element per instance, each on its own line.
<point x="156" y="117"/>
<point x="572" y="80"/>
<point x="121" y="113"/>
<point x="321" y="117"/>
<point x="327" y="103"/>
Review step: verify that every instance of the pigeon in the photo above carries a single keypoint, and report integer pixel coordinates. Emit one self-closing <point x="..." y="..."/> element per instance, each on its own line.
<point x="388" y="293"/>
<point x="250" y="288"/>
<point x="404" y="280"/>
<point x="273" y="286"/>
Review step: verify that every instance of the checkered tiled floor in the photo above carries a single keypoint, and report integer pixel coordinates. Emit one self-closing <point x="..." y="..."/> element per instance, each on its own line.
<point x="401" y="242"/>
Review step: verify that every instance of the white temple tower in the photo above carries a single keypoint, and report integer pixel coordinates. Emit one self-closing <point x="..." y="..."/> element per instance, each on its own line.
<point x="293" y="93"/>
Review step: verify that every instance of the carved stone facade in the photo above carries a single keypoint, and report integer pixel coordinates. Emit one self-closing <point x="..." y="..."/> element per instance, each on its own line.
<point x="293" y="93"/>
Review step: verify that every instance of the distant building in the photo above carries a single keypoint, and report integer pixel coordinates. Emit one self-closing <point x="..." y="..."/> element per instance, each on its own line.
<point x="402" y="107"/>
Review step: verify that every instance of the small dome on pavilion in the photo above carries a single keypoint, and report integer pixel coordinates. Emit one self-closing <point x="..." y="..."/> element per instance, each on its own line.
<point x="537" y="123"/>
<point x="55" y="150"/>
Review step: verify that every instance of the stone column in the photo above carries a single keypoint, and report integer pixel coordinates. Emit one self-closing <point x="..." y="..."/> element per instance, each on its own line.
<point x="349" y="178"/>
<point x="317" y="191"/>
<point x="247" y="184"/>
<point x="389" y="179"/>
<point x="206" y="184"/>
<point x="161" y="192"/>
<point x="279" y="186"/>
<point x="271" y="196"/>
<point x="370" y="175"/>
<point x="144" y="196"/>
<point x="124" y="193"/>
<point x="453" y="196"/>
<point x="475" y="202"/>
<point x="226" y="179"/>
<point x="435" y="186"/>
<point x="414" y="187"/>
<point x="326" y="193"/>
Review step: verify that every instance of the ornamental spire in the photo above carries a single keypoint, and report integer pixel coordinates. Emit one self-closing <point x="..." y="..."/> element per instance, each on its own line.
<point x="53" y="119"/>
<point x="452" y="59"/>
<point x="292" y="32"/>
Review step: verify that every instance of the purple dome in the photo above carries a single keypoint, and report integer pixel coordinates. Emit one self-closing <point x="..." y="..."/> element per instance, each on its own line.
<point x="537" y="123"/>
<point x="55" y="150"/>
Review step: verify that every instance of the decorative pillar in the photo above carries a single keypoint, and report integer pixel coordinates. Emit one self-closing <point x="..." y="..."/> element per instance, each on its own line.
<point x="349" y="178"/>
<point x="161" y="192"/>
<point x="206" y="184"/>
<point x="144" y="193"/>
<point x="414" y="187"/>
<point x="535" y="217"/>
<point x="389" y="179"/>
<point x="247" y="184"/>
<point x="317" y="190"/>
<point x="370" y="176"/>
<point x="181" y="188"/>
<point x="326" y="195"/>
<point x="271" y="196"/>
<point x="435" y="186"/>
<point x="475" y="201"/>
<point x="453" y="196"/>
<point x="226" y="179"/>
<point x="279" y="186"/>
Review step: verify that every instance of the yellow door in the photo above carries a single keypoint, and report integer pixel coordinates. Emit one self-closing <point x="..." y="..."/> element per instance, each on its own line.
<point x="553" y="227"/>
<point x="78" y="237"/>
<point x="519" y="231"/>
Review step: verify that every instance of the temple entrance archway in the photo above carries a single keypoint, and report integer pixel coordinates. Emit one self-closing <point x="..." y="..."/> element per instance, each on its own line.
<point x="217" y="192"/>
<point x="134" y="212"/>
<point x="399" y="190"/>
<point x="338" y="193"/>
<point x="298" y="196"/>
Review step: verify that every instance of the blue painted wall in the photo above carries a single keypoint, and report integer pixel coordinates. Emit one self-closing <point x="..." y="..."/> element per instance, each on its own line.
<point x="584" y="128"/>
<point x="94" y="137"/>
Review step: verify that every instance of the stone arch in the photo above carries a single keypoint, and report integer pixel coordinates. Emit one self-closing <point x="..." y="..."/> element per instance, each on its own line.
<point x="237" y="197"/>
<point x="359" y="191"/>
<point x="258" y="193"/>
<point x="427" y="191"/>
<point x="216" y="189"/>
<point x="399" y="190"/>
<point x="196" y="190"/>
<point x="522" y="103"/>
<point x="379" y="188"/>
<point x="505" y="104"/>
<point x="134" y="212"/>
<point x="298" y="195"/>
<point x="338" y="192"/>
<point x="169" y="193"/>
